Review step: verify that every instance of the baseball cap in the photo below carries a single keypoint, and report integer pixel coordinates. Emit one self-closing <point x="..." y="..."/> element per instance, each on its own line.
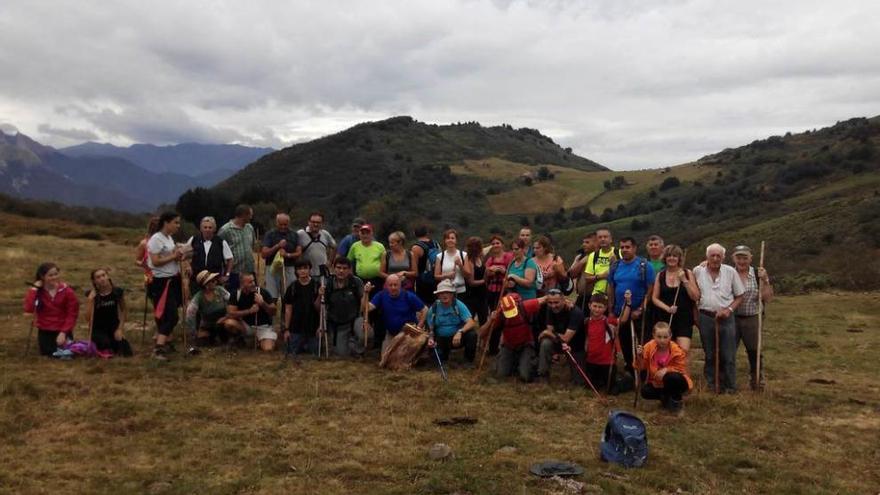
<point x="741" y="249"/>
<point x="509" y="305"/>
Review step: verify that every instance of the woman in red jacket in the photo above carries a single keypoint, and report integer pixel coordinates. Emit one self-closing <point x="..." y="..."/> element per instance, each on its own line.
<point x="666" y="366"/>
<point x="55" y="307"/>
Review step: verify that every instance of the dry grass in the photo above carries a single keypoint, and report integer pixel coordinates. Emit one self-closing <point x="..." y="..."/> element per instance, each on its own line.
<point x="247" y="423"/>
<point x="570" y="188"/>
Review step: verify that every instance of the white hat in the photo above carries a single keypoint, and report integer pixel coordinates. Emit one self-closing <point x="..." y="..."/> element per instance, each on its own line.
<point x="445" y="286"/>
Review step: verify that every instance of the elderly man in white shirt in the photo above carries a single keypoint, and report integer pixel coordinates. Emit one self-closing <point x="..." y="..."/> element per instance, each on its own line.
<point x="721" y="291"/>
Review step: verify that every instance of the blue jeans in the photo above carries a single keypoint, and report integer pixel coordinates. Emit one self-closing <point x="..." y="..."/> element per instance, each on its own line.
<point x="299" y="343"/>
<point x="726" y="350"/>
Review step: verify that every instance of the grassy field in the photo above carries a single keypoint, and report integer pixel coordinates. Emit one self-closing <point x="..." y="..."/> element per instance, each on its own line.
<point x="570" y="188"/>
<point x="247" y="423"/>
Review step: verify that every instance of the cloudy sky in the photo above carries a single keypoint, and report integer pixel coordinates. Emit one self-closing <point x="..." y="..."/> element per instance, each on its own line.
<point x="630" y="84"/>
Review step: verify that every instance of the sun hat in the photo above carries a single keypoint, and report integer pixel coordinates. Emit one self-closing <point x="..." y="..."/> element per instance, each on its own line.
<point x="445" y="286"/>
<point x="205" y="276"/>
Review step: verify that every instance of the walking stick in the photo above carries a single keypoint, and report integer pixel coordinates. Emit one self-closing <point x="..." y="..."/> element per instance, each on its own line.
<point x="144" y="324"/>
<point x="365" y="307"/>
<point x="760" y="324"/>
<point x="491" y="326"/>
<point x="636" y="373"/>
<point x="613" y="350"/>
<point x="184" y="282"/>
<point x="27" y="349"/>
<point x="322" y="324"/>
<point x="92" y="317"/>
<point x="584" y="376"/>
<point x="683" y="266"/>
<point x="440" y="364"/>
<point x="717" y="356"/>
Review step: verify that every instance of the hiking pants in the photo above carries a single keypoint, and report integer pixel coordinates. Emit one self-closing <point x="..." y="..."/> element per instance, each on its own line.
<point x="299" y="343"/>
<point x="468" y="341"/>
<point x="726" y="349"/>
<point x="674" y="386"/>
<point x="347" y="339"/>
<point x="166" y="323"/>
<point x="546" y="349"/>
<point x="516" y="359"/>
<point x="747" y="332"/>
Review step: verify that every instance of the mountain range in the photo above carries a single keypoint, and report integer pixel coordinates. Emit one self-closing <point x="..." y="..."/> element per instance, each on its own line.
<point x="102" y="175"/>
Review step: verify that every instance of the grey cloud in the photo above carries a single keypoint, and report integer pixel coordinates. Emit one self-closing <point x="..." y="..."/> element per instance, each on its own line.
<point x="72" y="134"/>
<point x="8" y="128"/>
<point x="625" y="82"/>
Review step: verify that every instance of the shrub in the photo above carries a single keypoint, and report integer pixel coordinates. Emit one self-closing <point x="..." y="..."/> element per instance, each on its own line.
<point x="669" y="183"/>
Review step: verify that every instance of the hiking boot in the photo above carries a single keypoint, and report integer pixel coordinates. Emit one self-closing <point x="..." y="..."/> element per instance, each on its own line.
<point x="160" y="354"/>
<point x="674" y="406"/>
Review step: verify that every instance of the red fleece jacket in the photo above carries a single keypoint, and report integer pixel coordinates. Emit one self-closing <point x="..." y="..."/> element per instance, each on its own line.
<point x="57" y="313"/>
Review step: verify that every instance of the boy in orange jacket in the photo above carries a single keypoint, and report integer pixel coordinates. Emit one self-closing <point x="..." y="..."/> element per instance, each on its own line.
<point x="666" y="366"/>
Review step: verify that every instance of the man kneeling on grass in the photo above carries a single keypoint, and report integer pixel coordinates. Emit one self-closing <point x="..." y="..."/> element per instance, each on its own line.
<point x="206" y="311"/>
<point x="250" y="311"/>
<point x="451" y="324"/>
<point x="517" y="348"/>
<point x="398" y="307"/>
<point x="666" y="366"/>
<point x="560" y="323"/>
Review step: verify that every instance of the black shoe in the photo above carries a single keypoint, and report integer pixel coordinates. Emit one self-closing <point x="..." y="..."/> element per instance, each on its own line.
<point x="169" y="348"/>
<point x="160" y="353"/>
<point x="673" y="405"/>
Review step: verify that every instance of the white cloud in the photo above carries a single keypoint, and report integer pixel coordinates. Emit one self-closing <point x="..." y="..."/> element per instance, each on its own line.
<point x="626" y="83"/>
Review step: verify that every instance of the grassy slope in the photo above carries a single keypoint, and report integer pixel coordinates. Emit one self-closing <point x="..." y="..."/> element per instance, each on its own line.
<point x="570" y="188"/>
<point x="233" y="424"/>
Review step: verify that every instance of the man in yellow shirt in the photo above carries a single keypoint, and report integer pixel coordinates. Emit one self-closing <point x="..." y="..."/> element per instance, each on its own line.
<point x="599" y="261"/>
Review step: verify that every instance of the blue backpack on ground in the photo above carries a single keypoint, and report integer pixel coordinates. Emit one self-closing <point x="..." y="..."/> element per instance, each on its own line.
<point x="625" y="440"/>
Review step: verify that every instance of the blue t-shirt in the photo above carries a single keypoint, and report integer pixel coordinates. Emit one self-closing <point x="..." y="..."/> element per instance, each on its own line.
<point x="447" y="321"/>
<point x="625" y="277"/>
<point x="525" y="293"/>
<point x="397" y="311"/>
<point x="345" y="245"/>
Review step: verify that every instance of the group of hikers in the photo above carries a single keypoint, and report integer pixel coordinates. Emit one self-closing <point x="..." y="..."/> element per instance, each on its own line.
<point x="519" y="299"/>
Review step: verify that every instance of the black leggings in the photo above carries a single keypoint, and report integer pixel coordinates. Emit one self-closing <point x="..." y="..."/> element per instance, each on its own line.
<point x="468" y="341"/>
<point x="674" y="385"/>
<point x="166" y="323"/>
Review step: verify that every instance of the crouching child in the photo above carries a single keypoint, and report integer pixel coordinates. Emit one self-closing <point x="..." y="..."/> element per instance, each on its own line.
<point x="666" y="366"/>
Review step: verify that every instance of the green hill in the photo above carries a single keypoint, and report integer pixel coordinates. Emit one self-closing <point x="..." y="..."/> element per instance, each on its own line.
<point x="397" y="171"/>
<point x="813" y="197"/>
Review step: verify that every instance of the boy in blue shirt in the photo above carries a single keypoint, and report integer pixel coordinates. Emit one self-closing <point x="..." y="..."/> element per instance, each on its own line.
<point x="450" y="324"/>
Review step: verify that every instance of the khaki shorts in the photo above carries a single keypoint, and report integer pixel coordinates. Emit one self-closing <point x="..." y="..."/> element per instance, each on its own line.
<point x="264" y="332"/>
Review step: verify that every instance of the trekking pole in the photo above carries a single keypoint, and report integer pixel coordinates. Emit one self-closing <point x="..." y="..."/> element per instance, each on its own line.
<point x="184" y="282"/>
<point x="613" y="349"/>
<point x="636" y="373"/>
<point x="322" y="323"/>
<point x="27" y="349"/>
<point x="491" y="327"/>
<point x="584" y="376"/>
<point x="717" y="356"/>
<point x="440" y="364"/>
<point x="683" y="266"/>
<point x="144" y="324"/>
<point x="760" y="324"/>
<point x="365" y="301"/>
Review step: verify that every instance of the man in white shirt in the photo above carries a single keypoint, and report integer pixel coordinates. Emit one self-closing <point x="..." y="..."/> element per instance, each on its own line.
<point x="208" y="254"/>
<point x="721" y="291"/>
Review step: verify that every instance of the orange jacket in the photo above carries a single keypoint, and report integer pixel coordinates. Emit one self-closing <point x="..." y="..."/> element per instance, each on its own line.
<point x="677" y="362"/>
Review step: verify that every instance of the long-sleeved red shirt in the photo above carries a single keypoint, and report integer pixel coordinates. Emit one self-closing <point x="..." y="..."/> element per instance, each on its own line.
<point x="57" y="313"/>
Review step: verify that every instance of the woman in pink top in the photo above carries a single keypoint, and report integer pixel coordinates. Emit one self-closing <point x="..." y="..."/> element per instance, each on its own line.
<point x="497" y="261"/>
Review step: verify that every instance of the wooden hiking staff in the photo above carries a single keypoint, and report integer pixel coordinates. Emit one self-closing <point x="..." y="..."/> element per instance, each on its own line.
<point x="636" y="374"/>
<point x="760" y="324"/>
<point x="683" y="266"/>
<point x="27" y="348"/>
<point x="184" y="282"/>
<point x="365" y="311"/>
<point x="144" y="323"/>
<point x="323" y="345"/>
<point x="613" y="343"/>
<point x="490" y="326"/>
<point x="717" y="356"/>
